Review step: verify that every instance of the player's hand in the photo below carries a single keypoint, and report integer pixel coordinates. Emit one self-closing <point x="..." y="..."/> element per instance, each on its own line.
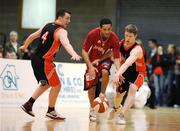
<point x="96" y="62"/>
<point x="92" y="72"/>
<point x="117" y="80"/>
<point x="121" y="79"/>
<point x="102" y="96"/>
<point x="23" y="48"/>
<point x="76" y="57"/>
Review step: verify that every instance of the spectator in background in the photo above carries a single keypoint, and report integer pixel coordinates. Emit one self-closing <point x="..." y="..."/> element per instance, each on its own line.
<point x="13" y="45"/>
<point x="1" y="52"/>
<point x="10" y="54"/>
<point x="170" y="79"/>
<point x="177" y="79"/>
<point x="152" y="44"/>
<point x="158" y="61"/>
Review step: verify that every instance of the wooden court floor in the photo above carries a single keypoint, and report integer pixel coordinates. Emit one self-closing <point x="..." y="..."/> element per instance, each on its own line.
<point x="161" y="119"/>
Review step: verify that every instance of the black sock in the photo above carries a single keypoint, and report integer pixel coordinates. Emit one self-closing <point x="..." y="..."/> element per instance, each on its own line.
<point x="31" y="100"/>
<point x="50" y="109"/>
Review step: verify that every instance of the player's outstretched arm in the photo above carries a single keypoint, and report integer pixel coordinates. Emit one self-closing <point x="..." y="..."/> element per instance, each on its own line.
<point x="63" y="37"/>
<point x="30" y="39"/>
<point x="134" y="54"/>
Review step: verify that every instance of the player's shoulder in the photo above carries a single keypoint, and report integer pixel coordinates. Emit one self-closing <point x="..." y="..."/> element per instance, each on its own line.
<point x="114" y="37"/>
<point x="94" y="32"/>
<point x="61" y="33"/>
<point x="113" y="34"/>
<point x="138" y="48"/>
<point x="62" y="30"/>
<point x="48" y="24"/>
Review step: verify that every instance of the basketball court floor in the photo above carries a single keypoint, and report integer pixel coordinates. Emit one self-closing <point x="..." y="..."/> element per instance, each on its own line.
<point x="161" y="119"/>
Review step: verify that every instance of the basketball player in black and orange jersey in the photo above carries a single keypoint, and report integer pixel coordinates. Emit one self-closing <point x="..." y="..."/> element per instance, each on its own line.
<point x="130" y="75"/>
<point x="51" y="37"/>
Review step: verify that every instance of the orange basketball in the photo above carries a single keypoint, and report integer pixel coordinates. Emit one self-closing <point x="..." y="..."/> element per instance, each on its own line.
<point x="100" y="105"/>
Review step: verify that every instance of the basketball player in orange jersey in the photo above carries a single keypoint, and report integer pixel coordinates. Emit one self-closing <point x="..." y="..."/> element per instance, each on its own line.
<point x="97" y="43"/>
<point x="51" y="37"/>
<point x="130" y="75"/>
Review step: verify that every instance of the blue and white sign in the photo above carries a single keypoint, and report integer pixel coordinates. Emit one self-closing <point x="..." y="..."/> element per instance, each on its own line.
<point x="9" y="77"/>
<point x="17" y="84"/>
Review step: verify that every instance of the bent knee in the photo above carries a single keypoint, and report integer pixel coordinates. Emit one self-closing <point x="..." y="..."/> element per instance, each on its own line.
<point x="57" y="87"/>
<point x="133" y="89"/>
<point x="118" y="94"/>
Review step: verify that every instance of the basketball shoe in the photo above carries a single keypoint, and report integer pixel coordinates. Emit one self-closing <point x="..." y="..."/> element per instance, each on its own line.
<point x="27" y="107"/>
<point x="120" y="119"/>
<point x="113" y="112"/>
<point x="55" y="115"/>
<point x="92" y="115"/>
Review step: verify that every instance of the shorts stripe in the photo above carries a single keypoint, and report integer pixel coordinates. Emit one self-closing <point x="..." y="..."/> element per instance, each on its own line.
<point x="51" y="74"/>
<point x="139" y="80"/>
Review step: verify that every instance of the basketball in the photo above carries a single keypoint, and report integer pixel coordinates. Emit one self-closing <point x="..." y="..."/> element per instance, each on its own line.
<point x="100" y="105"/>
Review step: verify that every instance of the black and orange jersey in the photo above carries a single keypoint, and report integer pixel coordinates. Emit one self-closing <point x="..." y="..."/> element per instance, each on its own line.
<point x="48" y="46"/>
<point x="139" y="65"/>
<point x="135" y="73"/>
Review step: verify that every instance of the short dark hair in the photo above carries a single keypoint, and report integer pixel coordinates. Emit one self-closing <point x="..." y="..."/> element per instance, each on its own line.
<point x="61" y="12"/>
<point x="131" y="29"/>
<point x="9" y="50"/>
<point x="154" y="41"/>
<point x="105" y="21"/>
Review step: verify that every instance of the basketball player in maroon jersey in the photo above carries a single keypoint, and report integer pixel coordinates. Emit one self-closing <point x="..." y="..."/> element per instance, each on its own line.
<point x="51" y="37"/>
<point x="98" y="42"/>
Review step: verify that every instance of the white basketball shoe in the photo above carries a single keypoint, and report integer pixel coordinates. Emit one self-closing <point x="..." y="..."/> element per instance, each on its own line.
<point x="113" y="112"/>
<point x="120" y="119"/>
<point x="92" y="115"/>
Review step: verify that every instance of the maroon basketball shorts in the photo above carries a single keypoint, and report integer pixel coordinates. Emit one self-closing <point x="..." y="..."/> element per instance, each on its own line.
<point x="91" y="82"/>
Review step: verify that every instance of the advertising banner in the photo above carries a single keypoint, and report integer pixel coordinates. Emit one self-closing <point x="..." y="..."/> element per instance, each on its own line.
<point x="17" y="83"/>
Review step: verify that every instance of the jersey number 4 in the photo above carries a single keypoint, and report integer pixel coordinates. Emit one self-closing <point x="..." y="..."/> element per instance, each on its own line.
<point x="44" y="37"/>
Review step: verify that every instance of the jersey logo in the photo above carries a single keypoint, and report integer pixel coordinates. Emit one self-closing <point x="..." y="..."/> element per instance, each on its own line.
<point x="99" y="49"/>
<point x="99" y="42"/>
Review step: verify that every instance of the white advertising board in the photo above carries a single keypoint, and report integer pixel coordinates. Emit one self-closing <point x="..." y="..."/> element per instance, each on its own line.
<point x="17" y="83"/>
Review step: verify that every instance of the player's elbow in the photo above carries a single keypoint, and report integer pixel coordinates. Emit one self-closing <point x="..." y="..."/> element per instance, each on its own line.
<point x="32" y="36"/>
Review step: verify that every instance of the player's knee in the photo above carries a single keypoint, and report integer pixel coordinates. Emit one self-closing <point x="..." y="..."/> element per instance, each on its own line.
<point x="57" y="87"/>
<point x="105" y="72"/>
<point x="132" y="90"/>
<point x="91" y="90"/>
<point x="119" y="95"/>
